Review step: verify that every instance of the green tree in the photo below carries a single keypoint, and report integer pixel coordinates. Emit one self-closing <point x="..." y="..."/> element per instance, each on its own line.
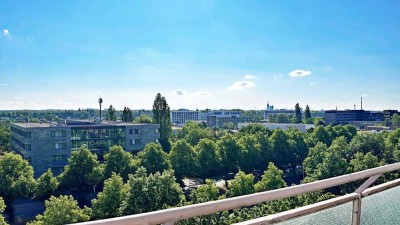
<point x="206" y="192"/>
<point x="183" y="159"/>
<point x="299" y="147"/>
<point x="271" y="179"/>
<point x="46" y="185"/>
<point x="62" y="210"/>
<point x="228" y="126"/>
<point x="207" y="158"/>
<point x="16" y="179"/>
<point x="363" y="161"/>
<point x="250" y="153"/>
<point x="118" y="161"/>
<point x="307" y="116"/>
<point x="111" y="114"/>
<point x="334" y="162"/>
<point x="266" y="152"/>
<point x="153" y="159"/>
<point x="229" y="151"/>
<point x="2" y="207"/>
<point x="161" y="114"/>
<point x="297" y="112"/>
<point x="255" y="129"/>
<point x="315" y="156"/>
<point x="82" y="172"/>
<point x="189" y="126"/>
<point x="108" y="203"/>
<point x="320" y="134"/>
<point x="395" y="120"/>
<point x="4" y="138"/>
<point x="195" y="135"/>
<point x="367" y="142"/>
<point x="242" y="184"/>
<point x="153" y="192"/>
<point x="282" y="148"/>
<point x="127" y="115"/>
<point x="318" y="121"/>
<point x="143" y="119"/>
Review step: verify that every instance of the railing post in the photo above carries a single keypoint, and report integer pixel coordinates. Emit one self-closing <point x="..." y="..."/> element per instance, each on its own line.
<point x="356" y="215"/>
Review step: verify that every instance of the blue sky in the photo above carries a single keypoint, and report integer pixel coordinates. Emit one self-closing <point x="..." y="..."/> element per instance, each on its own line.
<point x="200" y="54"/>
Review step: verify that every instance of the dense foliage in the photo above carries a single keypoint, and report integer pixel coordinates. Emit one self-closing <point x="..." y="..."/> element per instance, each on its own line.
<point x="252" y="160"/>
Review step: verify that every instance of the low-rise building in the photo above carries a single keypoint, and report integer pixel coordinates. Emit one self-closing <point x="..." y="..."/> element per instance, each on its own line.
<point x="48" y="145"/>
<point x="179" y="117"/>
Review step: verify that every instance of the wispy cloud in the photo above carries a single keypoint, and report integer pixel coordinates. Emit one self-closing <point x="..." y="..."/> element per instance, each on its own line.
<point x="202" y="93"/>
<point x="313" y="83"/>
<point x="6" y="32"/>
<point x="300" y="73"/>
<point x="4" y="85"/>
<point x="179" y="92"/>
<point x="240" y="85"/>
<point x="249" y="77"/>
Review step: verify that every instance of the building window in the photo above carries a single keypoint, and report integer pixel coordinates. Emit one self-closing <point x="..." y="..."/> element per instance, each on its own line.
<point x="130" y="131"/>
<point x="28" y="147"/>
<point x="158" y="130"/>
<point x="136" y="141"/>
<point x="157" y="140"/>
<point x="61" y="145"/>
<point x="59" y="157"/>
<point x="57" y="134"/>
<point x="137" y="131"/>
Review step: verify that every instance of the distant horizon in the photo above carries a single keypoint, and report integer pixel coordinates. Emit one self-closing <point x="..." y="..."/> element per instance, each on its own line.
<point x="203" y="54"/>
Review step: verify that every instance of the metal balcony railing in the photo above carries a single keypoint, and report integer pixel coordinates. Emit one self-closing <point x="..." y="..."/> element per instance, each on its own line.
<point x="170" y="216"/>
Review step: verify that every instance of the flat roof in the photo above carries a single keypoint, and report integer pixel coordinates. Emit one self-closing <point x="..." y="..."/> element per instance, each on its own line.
<point x="80" y="123"/>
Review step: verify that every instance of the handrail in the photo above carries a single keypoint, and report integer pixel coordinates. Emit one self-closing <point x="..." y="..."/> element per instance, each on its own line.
<point x="308" y="209"/>
<point x="190" y="211"/>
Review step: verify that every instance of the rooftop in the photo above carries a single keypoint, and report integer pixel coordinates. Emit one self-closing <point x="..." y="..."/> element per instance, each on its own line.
<point x="78" y="123"/>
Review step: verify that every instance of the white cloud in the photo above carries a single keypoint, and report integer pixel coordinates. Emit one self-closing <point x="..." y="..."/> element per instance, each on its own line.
<point x="300" y="73"/>
<point x="240" y="85"/>
<point x="4" y="85"/>
<point x="249" y="77"/>
<point x="202" y="93"/>
<point x="179" y="92"/>
<point x="6" y="33"/>
<point x="278" y="76"/>
<point x="313" y="83"/>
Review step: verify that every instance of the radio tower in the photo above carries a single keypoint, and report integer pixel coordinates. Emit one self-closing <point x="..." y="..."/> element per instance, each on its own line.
<point x="100" y="102"/>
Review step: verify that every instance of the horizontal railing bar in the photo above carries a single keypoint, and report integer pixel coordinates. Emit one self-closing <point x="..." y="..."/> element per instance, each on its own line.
<point x="301" y="211"/>
<point x="185" y="212"/>
<point x="290" y="214"/>
<point x="380" y="187"/>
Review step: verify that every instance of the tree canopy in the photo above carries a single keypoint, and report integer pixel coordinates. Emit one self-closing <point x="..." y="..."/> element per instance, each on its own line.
<point x="62" y="210"/>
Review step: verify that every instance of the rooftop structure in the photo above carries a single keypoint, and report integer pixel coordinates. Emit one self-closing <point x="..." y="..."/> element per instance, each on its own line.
<point x="48" y="145"/>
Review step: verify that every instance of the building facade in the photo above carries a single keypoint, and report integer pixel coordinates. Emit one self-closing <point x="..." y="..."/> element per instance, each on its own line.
<point x="49" y="145"/>
<point x="179" y="117"/>
<point x="355" y="117"/>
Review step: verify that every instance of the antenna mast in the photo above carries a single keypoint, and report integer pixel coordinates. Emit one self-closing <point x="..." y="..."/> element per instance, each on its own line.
<point x="100" y="102"/>
<point x="361" y="102"/>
